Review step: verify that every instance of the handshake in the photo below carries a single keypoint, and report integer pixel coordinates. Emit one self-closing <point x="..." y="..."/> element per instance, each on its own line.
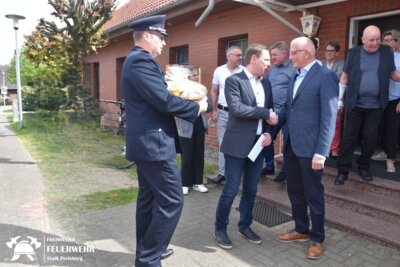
<point x="273" y="118"/>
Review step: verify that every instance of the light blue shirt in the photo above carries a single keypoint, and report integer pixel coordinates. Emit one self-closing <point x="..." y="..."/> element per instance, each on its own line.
<point x="394" y="87"/>
<point x="301" y="73"/>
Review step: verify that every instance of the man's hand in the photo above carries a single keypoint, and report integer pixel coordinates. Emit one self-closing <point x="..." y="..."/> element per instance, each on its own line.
<point x="340" y="106"/>
<point x="203" y="105"/>
<point x="267" y="140"/>
<point x="317" y="163"/>
<point x="398" y="108"/>
<point x="273" y="118"/>
<point x="215" y="115"/>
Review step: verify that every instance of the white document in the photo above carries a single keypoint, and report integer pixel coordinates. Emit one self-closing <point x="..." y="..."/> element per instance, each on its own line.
<point x="255" y="151"/>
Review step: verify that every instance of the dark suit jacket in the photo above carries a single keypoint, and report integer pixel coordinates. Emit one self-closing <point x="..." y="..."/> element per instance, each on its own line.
<point x="311" y="115"/>
<point x="241" y="130"/>
<point x="353" y="70"/>
<point x="151" y="133"/>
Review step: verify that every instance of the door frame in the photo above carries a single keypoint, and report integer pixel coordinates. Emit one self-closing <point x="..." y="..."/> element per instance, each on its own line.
<point x="353" y="31"/>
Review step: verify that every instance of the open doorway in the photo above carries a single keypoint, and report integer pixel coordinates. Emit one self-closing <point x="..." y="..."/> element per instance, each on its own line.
<point x="385" y="21"/>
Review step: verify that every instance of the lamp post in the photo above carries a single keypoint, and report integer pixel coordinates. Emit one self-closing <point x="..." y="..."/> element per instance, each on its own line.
<point x="4" y="88"/>
<point x="15" y="19"/>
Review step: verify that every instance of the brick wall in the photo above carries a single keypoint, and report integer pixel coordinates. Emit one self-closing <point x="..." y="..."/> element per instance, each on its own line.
<point x="253" y="21"/>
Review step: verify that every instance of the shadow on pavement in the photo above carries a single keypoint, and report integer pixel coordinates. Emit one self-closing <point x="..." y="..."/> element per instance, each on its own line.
<point x="8" y="161"/>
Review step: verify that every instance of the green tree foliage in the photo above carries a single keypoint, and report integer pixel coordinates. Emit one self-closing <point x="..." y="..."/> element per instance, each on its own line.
<point x="42" y="88"/>
<point x="80" y="29"/>
<point x="55" y="52"/>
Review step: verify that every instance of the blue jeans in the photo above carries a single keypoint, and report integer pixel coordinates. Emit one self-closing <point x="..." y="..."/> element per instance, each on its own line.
<point x="235" y="168"/>
<point x="269" y="150"/>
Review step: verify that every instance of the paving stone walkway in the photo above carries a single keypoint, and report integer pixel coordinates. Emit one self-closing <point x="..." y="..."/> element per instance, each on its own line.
<point x="28" y="237"/>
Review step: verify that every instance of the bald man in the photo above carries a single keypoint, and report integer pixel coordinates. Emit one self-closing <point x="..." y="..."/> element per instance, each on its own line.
<point x="310" y="116"/>
<point x="365" y="78"/>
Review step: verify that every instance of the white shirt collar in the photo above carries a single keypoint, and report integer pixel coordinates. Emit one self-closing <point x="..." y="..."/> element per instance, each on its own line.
<point x="251" y="76"/>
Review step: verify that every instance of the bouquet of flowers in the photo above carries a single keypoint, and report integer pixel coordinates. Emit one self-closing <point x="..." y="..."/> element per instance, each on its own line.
<point x="177" y="78"/>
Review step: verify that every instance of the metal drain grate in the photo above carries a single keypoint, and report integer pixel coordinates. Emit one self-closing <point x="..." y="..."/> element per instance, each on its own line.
<point x="269" y="215"/>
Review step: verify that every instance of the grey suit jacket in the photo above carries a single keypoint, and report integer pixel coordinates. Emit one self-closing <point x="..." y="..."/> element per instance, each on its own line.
<point x="311" y="114"/>
<point x="241" y="130"/>
<point x="337" y="67"/>
<point x="185" y="128"/>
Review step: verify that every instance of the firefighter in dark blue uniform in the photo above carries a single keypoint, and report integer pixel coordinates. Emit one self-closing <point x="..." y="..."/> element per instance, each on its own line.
<point x="152" y="140"/>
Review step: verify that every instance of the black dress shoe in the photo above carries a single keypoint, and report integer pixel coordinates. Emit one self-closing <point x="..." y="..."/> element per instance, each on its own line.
<point x="340" y="179"/>
<point x="266" y="171"/>
<point x="218" y="179"/>
<point x="365" y="175"/>
<point x="280" y="178"/>
<point x="168" y="252"/>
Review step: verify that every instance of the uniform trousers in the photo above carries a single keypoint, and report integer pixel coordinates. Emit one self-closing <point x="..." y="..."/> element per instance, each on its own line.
<point x="159" y="207"/>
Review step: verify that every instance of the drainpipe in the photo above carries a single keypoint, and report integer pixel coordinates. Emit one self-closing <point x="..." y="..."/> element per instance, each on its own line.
<point x="210" y="7"/>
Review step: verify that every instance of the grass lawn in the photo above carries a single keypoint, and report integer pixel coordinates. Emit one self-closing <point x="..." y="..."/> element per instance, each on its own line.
<point x="79" y="161"/>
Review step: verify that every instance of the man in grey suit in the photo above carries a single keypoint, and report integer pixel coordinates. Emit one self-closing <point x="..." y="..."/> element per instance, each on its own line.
<point x="310" y="116"/>
<point x="249" y="98"/>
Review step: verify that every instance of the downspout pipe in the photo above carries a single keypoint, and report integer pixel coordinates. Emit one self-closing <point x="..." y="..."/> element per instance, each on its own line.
<point x="210" y="7"/>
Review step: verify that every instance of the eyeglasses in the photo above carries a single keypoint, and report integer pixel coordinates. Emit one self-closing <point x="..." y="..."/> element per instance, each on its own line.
<point x="389" y="40"/>
<point x="330" y="51"/>
<point x="237" y="55"/>
<point x="294" y="52"/>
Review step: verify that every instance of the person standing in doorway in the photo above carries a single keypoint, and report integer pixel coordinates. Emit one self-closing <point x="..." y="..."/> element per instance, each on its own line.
<point x="365" y="79"/>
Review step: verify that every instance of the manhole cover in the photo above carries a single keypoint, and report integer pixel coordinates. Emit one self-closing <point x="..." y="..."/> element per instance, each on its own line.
<point x="269" y="215"/>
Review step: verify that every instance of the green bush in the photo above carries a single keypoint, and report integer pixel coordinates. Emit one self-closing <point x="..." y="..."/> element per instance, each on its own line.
<point x="43" y="98"/>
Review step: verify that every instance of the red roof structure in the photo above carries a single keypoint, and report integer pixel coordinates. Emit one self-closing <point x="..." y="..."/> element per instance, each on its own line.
<point x="136" y="9"/>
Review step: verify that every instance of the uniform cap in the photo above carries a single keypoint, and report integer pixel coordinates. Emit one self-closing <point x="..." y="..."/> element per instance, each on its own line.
<point x="153" y="23"/>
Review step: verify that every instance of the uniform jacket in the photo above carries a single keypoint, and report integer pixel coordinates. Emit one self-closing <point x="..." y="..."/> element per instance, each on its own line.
<point x="241" y="130"/>
<point x="311" y="115"/>
<point x="386" y="66"/>
<point x="151" y="133"/>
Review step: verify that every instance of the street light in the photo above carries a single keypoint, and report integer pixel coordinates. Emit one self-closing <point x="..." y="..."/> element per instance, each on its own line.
<point x="15" y="19"/>
<point x="4" y="88"/>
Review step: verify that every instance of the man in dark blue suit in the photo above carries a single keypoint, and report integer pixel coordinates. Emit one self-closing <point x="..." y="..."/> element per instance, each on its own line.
<point x="310" y="115"/>
<point x="152" y="140"/>
<point x="249" y="98"/>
